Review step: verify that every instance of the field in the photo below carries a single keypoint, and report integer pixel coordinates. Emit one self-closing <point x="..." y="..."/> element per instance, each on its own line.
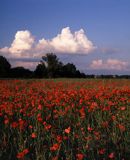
<point x="65" y="119"/>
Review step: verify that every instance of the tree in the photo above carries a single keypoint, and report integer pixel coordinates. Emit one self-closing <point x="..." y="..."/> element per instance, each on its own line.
<point x="4" y="67"/>
<point x="54" y="66"/>
<point x="20" y="72"/>
<point x="40" y="71"/>
<point x="69" y="70"/>
<point x="51" y="67"/>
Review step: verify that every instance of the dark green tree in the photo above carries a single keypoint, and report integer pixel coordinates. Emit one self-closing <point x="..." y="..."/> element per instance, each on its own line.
<point x="40" y="71"/>
<point x="51" y="67"/>
<point x="69" y="70"/>
<point x="54" y="66"/>
<point x="4" y="67"/>
<point x="20" y="72"/>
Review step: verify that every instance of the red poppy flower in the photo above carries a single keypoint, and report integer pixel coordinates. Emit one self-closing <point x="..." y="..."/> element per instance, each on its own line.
<point x="67" y="130"/>
<point x="33" y="135"/>
<point x="111" y="155"/>
<point x="79" y="156"/>
<point x="54" y="147"/>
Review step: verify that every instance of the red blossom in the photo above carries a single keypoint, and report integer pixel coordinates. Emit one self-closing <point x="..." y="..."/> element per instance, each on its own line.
<point x="101" y="151"/>
<point x="54" y="147"/>
<point x="89" y="129"/>
<point x="67" y="130"/>
<point x="111" y="155"/>
<point x="123" y="108"/>
<point x="121" y="127"/>
<point x="22" y="154"/>
<point x="6" y="121"/>
<point x="79" y="156"/>
<point x="33" y="135"/>
<point x="14" y="124"/>
<point x="40" y="107"/>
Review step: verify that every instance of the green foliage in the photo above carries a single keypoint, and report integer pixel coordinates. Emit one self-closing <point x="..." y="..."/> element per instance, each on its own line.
<point x="4" y="67"/>
<point x="51" y="67"/>
<point x="40" y="71"/>
<point x="20" y="72"/>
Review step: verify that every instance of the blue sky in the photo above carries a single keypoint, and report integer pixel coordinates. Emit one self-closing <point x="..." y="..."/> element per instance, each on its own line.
<point x="105" y="23"/>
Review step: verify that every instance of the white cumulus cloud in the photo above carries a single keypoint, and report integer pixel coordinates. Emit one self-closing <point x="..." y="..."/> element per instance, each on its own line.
<point x="24" y="44"/>
<point x="109" y="64"/>
<point x="23" y="41"/>
<point x="68" y="42"/>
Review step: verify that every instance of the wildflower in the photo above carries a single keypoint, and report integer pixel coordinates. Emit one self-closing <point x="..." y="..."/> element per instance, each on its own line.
<point x="93" y="106"/>
<point x="79" y="156"/>
<point x="111" y="155"/>
<point x="6" y="121"/>
<point x="21" y="123"/>
<point x="82" y="112"/>
<point x="22" y="154"/>
<point x="39" y="119"/>
<point x="14" y="124"/>
<point x="33" y="135"/>
<point x="39" y="107"/>
<point x="44" y="123"/>
<point x="59" y="139"/>
<point x="67" y="130"/>
<point x="30" y="126"/>
<point x="121" y="127"/>
<point x="90" y="129"/>
<point x="25" y="151"/>
<point x="113" y="118"/>
<point x="47" y="127"/>
<point x="54" y="147"/>
<point x="123" y="108"/>
<point x="97" y="135"/>
<point x="65" y="137"/>
<point x="101" y="151"/>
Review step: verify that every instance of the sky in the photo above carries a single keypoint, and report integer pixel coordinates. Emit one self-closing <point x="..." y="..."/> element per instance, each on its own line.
<point x="92" y="34"/>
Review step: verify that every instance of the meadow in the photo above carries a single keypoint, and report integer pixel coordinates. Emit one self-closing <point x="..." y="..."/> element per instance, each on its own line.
<point x="65" y="119"/>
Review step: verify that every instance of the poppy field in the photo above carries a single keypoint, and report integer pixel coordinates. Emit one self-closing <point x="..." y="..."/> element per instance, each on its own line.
<point x="65" y="119"/>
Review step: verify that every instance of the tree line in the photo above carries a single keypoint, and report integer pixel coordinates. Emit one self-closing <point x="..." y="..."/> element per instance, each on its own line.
<point x="49" y="67"/>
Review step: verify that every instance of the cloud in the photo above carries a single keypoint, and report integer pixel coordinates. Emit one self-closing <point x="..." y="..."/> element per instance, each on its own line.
<point x="68" y="42"/>
<point x="110" y="64"/>
<point x="23" y="41"/>
<point x="24" y="44"/>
